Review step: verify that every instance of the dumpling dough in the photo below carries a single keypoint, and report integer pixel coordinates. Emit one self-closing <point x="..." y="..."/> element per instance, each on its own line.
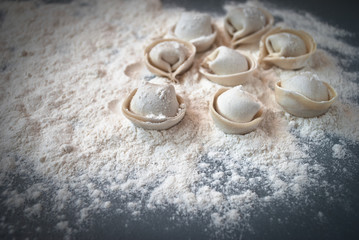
<point x="228" y="61"/>
<point x="155" y="100"/>
<point x="285" y="45"/>
<point x="246" y="20"/>
<point x="307" y="84"/>
<point x="169" y="55"/>
<point x="237" y="105"/>
<point x="193" y="25"/>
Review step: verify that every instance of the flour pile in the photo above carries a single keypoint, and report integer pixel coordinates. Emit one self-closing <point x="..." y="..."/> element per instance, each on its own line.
<point x="66" y="157"/>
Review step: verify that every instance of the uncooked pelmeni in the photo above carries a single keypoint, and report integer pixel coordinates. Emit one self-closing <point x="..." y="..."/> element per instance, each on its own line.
<point x="237" y="105"/>
<point x="304" y="95"/>
<point x="193" y="25"/>
<point x="285" y="45"/>
<point x="286" y="48"/>
<point x="155" y="100"/>
<point x="169" y="57"/>
<point x="154" y="106"/>
<point x="228" y="67"/>
<point x="235" y="111"/>
<point x="246" y="20"/>
<point x="247" y="24"/>
<point x="307" y="84"/>
<point x="196" y="28"/>
<point x="228" y="61"/>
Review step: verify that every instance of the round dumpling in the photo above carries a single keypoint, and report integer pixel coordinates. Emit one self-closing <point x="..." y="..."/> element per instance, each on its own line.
<point x="246" y="20"/>
<point x="307" y="84"/>
<point x="237" y="105"/>
<point x="155" y="100"/>
<point x="193" y="25"/>
<point x="169" y="55"/>
<point x="288" y="49"/>
<point x="286" y="45"/>
<point x="228" y="61"/>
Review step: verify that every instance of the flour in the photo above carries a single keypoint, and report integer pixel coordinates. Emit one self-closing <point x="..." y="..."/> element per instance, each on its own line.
<point x="62" y="65"/>
<point x="339" y="151"/>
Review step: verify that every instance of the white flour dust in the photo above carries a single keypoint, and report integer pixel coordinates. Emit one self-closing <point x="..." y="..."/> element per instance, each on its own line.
<point x="66" y="157"/>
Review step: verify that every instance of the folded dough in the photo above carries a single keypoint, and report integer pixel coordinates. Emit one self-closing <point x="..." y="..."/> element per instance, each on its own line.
<point x="155" y="100"/>
<point x="285" y="45"/>
<point x="228" y="61"/>
<point x="245" y="20"/>
<point x="168" y="55"/>
<point x="193" y="25"/>
<point x="237" y="105"/>
<point x="307" y="84"/>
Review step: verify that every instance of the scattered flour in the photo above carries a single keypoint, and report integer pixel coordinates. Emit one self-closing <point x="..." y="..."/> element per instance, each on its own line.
<point x="62" y="64"/>
<point x="339" y="151"/>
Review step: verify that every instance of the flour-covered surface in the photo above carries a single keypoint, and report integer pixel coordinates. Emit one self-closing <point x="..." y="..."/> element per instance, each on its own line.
<point x="71" y="168"/>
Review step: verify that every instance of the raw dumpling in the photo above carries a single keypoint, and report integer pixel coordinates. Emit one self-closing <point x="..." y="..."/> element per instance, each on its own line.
<point x="196" y="28"/>
<point x="154" y="100"/>
<point x="304" y="95"/>
<point x="246" y="20"/>
<point x="193" y="25"/>
<point x="286" y="48"/>
<point x="235" y="111"/>
<point x="247" y="24"/>
<point x="237" y="105"/>
<point x="228" y="61"/>
<point x="228" y="67"/>
<point x="154" y="106"/>
<point x="285" y="45"/>
<point x="169" y="57"/>
<point x="307" y="84"/>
